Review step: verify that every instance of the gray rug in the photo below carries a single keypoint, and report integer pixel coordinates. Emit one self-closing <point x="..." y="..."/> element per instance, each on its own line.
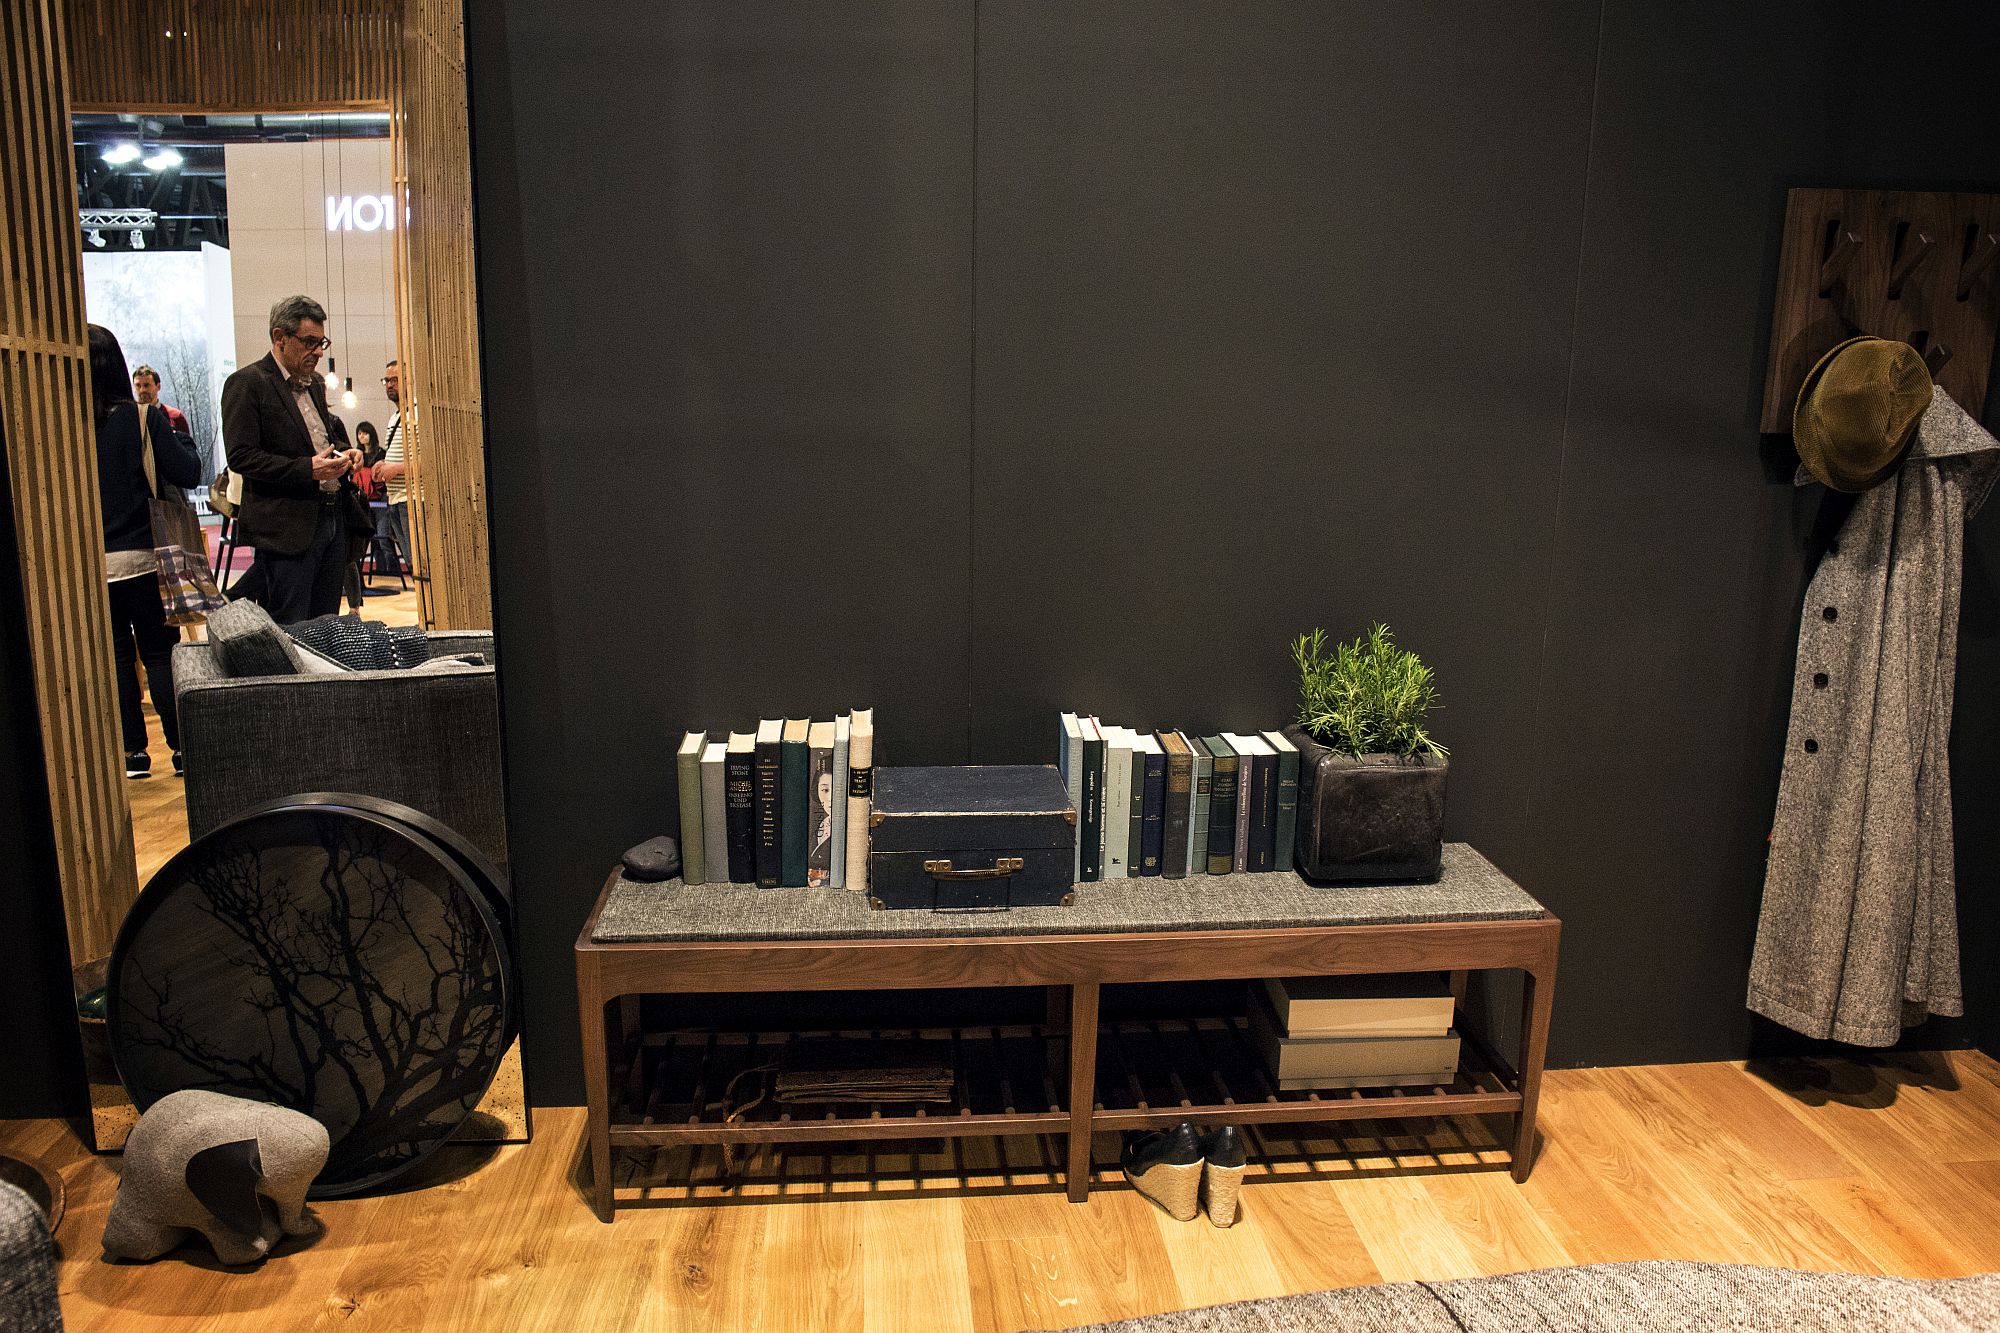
<point x="1612" y="1298"/>
<point x="1469" y="888"/>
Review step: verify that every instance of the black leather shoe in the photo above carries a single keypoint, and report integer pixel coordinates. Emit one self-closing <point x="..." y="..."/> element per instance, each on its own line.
<point x="1166" y="1168"/>
<point x="180" y="765"/>
<point x="138" y="764"/>
<point x="1223" y="1163"/>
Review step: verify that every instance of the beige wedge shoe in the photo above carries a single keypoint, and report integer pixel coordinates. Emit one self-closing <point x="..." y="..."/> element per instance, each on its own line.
<point x="1166" y="1167"/>
<point x="1223" y="1164"/>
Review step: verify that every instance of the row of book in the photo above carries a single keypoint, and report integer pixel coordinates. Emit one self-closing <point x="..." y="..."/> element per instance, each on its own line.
<point x="1173" y="804"/>
<point x="785" y="806"/>
<point x="1356" y="1031"/>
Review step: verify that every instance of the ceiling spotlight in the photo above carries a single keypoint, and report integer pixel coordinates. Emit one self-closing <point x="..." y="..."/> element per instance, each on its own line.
<point x="138" y="238"/>
<point x="119" y="154"/>
<point x="347" y="399"/>
<point x="164" y="159"/>
<point x="97" y="239"/>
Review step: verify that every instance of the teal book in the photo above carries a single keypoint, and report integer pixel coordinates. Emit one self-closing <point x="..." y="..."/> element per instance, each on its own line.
<point x="687" y="771"/>
<point x="1222" y="806"/>
<point x="794" y="824"/>
<point x="1288" y="799"/>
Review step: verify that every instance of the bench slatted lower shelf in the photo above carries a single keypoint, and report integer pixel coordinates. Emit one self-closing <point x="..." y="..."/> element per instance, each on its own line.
<point x="673" y="1088"/>
<point x="1009" y="1082"/>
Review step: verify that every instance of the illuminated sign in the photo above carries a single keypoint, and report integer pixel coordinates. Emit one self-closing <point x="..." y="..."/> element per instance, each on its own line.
<point x="361" y="212"/>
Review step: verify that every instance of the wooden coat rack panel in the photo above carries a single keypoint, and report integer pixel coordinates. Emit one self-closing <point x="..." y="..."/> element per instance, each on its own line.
<point x="1916" y="266"/>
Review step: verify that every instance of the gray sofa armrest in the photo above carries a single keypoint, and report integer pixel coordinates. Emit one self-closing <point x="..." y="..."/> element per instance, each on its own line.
<point x="428" y="740"/>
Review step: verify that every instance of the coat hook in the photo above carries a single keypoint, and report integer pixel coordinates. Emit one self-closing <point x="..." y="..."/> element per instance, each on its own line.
<point x="1840" y="253"/>
<point x="1934" y="360"/>
<point x="1985" y="245"/>
<point x="1918" y="249"/>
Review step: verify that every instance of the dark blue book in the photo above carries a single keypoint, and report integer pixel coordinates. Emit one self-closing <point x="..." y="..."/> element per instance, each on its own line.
<point x="794" y="826"/>
<point x="1153" y="810"/>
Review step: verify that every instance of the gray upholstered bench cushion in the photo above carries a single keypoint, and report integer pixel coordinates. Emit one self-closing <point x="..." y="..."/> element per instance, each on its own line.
<point x="27" y="1267"/>
<point x="1470" y="888"/>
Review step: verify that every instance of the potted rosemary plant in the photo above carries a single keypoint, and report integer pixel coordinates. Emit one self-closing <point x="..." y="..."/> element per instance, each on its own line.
<point x="1371" y="778"/>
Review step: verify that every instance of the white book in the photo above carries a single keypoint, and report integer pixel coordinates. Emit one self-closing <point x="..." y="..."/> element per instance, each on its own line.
<point x="842" y="738"/>
<point x="1117" y="802"/>
<point x="860" y="788"/>
<point x="1069" y="757"/>
<point x="715" y="811"/>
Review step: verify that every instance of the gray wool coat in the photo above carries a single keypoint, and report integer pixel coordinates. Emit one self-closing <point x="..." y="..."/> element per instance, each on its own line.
<point x="1859" y="931"/>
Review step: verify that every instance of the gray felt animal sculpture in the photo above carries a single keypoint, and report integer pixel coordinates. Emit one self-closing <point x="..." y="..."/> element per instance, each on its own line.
<point x="232" y="1170"/>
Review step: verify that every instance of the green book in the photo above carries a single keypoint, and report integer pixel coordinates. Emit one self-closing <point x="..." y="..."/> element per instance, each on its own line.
<point x="1222" y="807"/>
<point x="794" y="828"/>
<point x="687" y="769"/>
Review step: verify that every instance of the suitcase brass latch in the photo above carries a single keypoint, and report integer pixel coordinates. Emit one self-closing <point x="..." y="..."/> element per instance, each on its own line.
<point x="1002" y="867"/>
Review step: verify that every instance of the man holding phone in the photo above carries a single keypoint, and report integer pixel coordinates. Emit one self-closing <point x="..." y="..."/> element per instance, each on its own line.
<point x="300" y="507"/>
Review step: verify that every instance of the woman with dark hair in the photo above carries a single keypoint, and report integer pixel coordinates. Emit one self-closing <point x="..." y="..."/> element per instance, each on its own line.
<point x="135" y="452"/>
<point x="369" y="443"/>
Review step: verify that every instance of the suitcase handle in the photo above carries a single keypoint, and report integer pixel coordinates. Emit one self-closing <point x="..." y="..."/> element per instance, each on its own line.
<point x="1002" y="867"/>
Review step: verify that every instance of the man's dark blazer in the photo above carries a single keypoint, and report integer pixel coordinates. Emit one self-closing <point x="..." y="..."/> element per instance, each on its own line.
<point x="267" y="444"/>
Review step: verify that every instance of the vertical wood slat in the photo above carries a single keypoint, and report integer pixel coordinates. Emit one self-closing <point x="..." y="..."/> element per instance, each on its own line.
<point x="52" y="469"/>
<point x="439" y="326"/>
<point x="227" y="56"/>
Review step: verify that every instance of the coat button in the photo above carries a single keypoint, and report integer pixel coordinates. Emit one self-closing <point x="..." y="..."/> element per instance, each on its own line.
<point x="1819" y="680"/>
<point x="1812" y="746"/>
<point x="1831" y="613"/>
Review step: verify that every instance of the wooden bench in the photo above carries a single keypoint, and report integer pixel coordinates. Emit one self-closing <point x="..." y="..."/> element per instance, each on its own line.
<point x="658" y="939"/>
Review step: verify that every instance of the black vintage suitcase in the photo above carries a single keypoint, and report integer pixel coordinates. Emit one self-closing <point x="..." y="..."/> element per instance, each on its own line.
<point x="970" y="839"/>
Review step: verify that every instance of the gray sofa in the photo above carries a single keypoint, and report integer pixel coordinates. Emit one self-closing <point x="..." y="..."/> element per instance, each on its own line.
<point x="428" y="740"/>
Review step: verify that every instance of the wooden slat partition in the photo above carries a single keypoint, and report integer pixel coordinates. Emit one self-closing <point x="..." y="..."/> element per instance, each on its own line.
<point x="52" y="464"/>
<point x="439" y="324"/>
<point x="226" y="55"/>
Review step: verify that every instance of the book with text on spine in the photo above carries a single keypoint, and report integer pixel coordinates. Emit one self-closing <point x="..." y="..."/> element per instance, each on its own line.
<point x="770" y="813"/>
<point x="794" y="824"/>
<point x="820" y="801"/>
<point x="1069" y="758"/>
<point x="1090" y="814"/>
<point x="1180" y="783"/>
<point x="1117" y="801"/>
<point x="1282" y="857"/>
<point x="860" y="791"/>
<point x="740" y="792"/>
<point x="1222" y="806"/>
<point x="1204" y="776"/>
<point x="1153" y="805"/>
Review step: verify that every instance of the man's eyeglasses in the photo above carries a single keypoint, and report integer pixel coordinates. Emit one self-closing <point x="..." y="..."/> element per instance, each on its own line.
<point x="389" y="379"/>
<point x="311" y="344"/>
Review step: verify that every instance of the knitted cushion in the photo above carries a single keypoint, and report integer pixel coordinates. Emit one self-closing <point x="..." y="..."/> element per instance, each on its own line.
<point x="364" y="645"/>
<point x="27" y="1267"/>
<point x="247" y="642"/>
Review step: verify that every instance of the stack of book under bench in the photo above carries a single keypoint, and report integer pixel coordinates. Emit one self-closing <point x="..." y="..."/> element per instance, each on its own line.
<point x="1355" y="1032"/>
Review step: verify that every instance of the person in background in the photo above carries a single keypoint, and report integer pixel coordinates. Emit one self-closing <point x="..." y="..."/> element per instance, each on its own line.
<point x="369" y="443"/>
<point x="135" y="452"/>
<point x="299" y="504"/>
<point x="393" y="470"/>
<point x="146" y="393"/>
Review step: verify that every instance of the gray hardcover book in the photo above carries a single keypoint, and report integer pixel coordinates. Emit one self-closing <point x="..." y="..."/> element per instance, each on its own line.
<point x="687" y="772"/>
<point x="841" y="739"/>
<point x="1069" y="755"/>
<point x="1117" y="793"/>
<point x="1204" y="774"/>
<point x="715" y="812"/>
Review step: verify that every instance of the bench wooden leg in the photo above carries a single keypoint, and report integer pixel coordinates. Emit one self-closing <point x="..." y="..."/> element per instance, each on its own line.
<point x="1537" y="1000"/>
<point x="596" y="1085"/>
<point x="1082" y="1086"/>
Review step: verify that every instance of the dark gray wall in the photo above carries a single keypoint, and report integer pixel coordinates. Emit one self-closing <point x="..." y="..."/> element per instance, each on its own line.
<point x="976" y="361"/>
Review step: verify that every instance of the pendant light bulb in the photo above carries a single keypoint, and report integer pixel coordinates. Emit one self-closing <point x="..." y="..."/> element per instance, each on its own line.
<point x="347" y="399"/>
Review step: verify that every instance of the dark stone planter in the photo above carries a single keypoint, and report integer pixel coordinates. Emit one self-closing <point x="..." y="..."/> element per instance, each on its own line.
<point x="1377" y="817"/>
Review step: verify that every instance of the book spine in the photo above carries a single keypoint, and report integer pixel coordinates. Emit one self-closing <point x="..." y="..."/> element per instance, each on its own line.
<point x="819" y="816"/>
<point x="1174" y="856"/>
<point x="1204" y="777"/>
<point x="1117" y="822"/>
<point x="1070" y="741"/>
<point x="843" y="743"/>
<point x="1135" y="814"/>
<point x="740" y="791"/>
<point x="770" y="857"/>
<point x="714" y="816"/>
<point x="1090" y="817"/>
<point x="1154" y="858"/>
<point x="1263" y="812"/>
<point x="860" y="794"/>
<point x="1246" y="806"/>
<point x="1222" y="816"/>
<point x="688" y="770"/>
<point x="1283" y="855"/>
<point x="794" y="823"/>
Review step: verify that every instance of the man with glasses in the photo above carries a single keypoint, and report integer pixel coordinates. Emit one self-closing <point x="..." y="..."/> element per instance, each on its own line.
<point x="300" y="507"/>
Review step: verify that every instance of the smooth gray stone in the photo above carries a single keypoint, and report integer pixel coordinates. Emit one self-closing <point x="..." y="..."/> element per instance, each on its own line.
<point x="653" y="860"/>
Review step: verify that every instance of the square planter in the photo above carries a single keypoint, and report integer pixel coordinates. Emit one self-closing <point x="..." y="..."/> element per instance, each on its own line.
<point x="1376" y="817"/>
